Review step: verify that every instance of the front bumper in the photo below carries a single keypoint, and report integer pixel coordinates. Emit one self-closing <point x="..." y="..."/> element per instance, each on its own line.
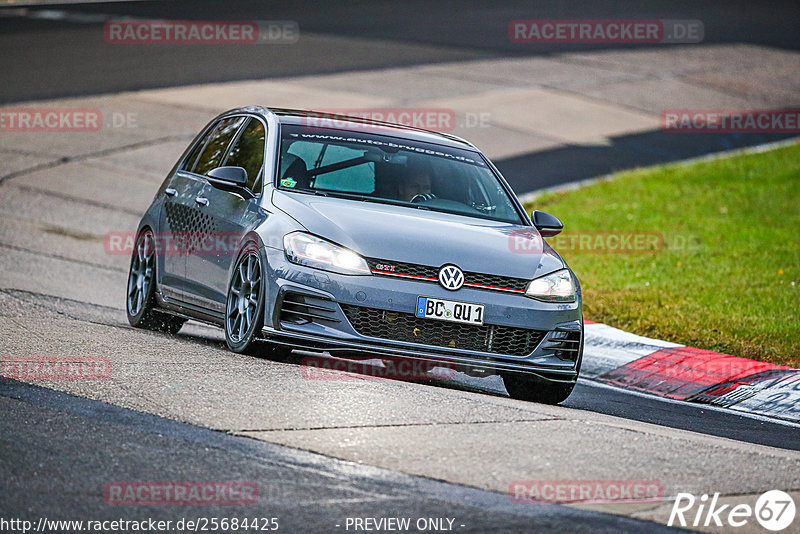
<point x="305" y="311"/>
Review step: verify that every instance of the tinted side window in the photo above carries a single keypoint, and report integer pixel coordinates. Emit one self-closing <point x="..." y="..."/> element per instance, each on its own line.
<point x="217" y="142"/>
<point x="188" y="165"/>
<point x="248" y="152"/>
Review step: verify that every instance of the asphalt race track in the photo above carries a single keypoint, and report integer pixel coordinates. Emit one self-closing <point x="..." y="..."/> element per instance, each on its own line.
<point x="306" y="493"/>
<point x="61" y="450"/>
<point x="183" y="408"/>
<point x="58" y="51"/>
<point x="67" y="49"/>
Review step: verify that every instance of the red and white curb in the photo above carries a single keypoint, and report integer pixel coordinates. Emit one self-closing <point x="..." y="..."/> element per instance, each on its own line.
<point x="622" y="359"/>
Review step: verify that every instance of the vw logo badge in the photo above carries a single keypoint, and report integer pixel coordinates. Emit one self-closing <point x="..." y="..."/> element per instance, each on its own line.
<point x="451" y="277"/>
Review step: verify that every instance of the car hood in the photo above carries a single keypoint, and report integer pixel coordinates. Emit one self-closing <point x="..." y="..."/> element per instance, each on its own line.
<point x="401" y="234"/>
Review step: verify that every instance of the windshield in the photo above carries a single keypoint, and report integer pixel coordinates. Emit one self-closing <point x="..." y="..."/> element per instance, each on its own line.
<point x="390" y="170"/>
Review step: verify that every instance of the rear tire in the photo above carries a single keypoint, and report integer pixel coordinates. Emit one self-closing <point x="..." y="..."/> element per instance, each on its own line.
<point x="532" y="389"/>
<point x="140" y="303"/>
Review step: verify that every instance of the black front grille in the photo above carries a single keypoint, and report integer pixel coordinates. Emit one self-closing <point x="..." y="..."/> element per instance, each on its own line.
<point x="504" y="282"/>
<point x="397" y="267"/>
<point x="406" y="327"/>
<point x="494" y="282"/>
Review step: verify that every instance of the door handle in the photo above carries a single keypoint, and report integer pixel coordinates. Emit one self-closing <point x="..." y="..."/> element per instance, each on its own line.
<point x="203" y="201"/>
<point x="170" y="192"/>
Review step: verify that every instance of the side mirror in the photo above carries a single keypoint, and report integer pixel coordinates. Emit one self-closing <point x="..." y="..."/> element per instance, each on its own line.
<point x="547" y="224"/>
<point x="235" y="176"/>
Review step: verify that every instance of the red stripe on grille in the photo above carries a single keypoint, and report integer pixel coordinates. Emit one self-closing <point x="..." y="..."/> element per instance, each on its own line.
<point x="493" y="287"/>
<point x="389" y="273"/>
<point x="404" y="275"/>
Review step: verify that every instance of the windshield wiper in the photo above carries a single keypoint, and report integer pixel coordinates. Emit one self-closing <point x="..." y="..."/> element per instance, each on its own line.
<point x="362" y="198"/>
<point x="306" y="191"/>
<point x="342" y="194"/>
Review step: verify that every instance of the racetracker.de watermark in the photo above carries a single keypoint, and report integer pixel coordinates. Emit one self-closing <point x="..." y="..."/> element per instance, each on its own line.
<point x="177" y="243"/>
<point x="731" y="120"/>
<point x="585" y="491"/>
<point x="321" y="368"/>
<point x="63" y="120"/>
<point x="591" y="31"/>
<point x="194" y="32"/>
<point x="181" y="493"/>
<point x="607" y="242"/>
<point x="55" y="367"/>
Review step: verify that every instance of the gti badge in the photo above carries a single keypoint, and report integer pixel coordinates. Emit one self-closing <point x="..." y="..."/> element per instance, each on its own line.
<point x="451" y="277"/>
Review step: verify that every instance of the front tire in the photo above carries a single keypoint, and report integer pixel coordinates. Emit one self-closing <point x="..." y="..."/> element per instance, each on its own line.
<point x="532" y="389"/>
<point x="140" y="301"/>
<point x="244" y="311"/>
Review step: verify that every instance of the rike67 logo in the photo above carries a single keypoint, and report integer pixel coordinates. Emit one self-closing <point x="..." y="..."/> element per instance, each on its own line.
<point x="774" y="510"/>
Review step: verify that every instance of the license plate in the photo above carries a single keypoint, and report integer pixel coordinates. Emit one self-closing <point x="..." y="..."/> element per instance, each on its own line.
<point x="449" y="310"/>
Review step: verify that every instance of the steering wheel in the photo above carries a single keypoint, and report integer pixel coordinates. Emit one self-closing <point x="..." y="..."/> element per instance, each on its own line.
<point x="422" y="197"/>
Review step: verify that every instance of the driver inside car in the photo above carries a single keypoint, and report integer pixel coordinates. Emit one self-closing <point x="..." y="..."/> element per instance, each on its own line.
<point x="416" y="184"/>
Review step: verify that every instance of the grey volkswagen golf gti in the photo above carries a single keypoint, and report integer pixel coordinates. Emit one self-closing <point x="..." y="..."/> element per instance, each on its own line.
<point x="296" y="230"/>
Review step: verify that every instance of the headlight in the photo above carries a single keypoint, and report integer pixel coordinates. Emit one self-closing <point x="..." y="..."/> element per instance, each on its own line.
<point x="554" y="287"/>
<point x="305" y="249"/>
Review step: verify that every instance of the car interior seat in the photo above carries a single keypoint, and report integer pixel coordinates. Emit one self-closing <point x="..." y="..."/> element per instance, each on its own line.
<point x="296" y="170"/>
<point x="387" y="180"/>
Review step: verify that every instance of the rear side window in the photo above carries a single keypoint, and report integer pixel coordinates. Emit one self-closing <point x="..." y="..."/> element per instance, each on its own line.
<point x="215" y="144"/>
<point x="248" y="152"/>
<point x="188" y="165"/>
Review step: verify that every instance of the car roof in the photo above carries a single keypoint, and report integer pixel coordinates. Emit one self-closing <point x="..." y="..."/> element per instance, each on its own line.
<point x="303" y="117"/>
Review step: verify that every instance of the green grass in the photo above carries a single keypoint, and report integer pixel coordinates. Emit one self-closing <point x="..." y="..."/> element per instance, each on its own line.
<point x="727" y="277"/>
